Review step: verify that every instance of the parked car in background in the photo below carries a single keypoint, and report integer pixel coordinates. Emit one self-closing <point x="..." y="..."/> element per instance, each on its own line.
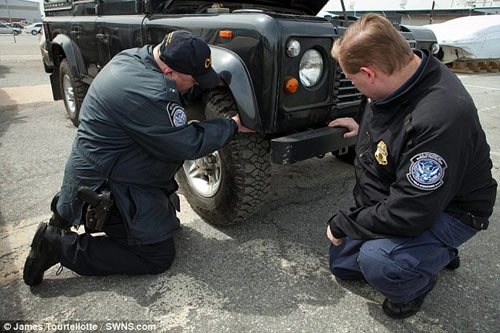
<point x="468" y="38"/>
<point x="33" y="29"/>
<point x="16" y="25"/>
<point x="6" y="29"/>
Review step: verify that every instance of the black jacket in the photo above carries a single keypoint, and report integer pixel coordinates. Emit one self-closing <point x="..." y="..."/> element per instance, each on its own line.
<point x="420" y="152"/>
<point x="133" y="133"/>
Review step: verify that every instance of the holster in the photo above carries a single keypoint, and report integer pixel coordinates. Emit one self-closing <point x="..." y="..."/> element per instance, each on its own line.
<point x="98" y="208"/>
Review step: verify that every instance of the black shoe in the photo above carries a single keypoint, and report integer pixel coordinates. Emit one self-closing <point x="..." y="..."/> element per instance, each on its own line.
<point x="56" y="220"/>
<point x="45" y="253"/>
<point x="404" y="310"/>
<point x="454" y="264"/>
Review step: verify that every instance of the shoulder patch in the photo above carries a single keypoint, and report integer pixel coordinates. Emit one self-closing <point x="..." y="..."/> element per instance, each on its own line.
<point x="426" y="171"/>
<point x="176" y="114"/>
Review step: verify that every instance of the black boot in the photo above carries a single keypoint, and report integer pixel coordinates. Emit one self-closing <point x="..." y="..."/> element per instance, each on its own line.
<point x="454" y="264"/>
<point x="56" y="220"/>
<point x="404" y="310"/>
<point x="45" y="253"/>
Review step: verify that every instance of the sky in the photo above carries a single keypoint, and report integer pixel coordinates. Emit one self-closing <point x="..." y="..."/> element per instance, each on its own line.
<point x="352" y="5"/>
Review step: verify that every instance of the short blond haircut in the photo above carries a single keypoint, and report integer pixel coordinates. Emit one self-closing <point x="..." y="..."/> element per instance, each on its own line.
<point x="372" y="41"/>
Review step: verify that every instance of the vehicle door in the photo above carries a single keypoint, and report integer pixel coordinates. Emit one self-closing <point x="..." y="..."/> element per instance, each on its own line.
<point x="118" y="27"/>
<point x="82" y="30"/>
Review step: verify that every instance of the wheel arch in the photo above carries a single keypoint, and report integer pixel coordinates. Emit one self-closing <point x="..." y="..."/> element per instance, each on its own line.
<point x="62" y="47"/>
<point x="235" y="75"/>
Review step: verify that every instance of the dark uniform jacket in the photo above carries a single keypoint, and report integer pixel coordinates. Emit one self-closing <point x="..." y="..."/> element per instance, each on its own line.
<point x="133" y="134"/>
<point x="420" y="152"/>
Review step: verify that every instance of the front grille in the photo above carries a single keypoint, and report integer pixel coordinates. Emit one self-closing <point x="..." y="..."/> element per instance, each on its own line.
<point x="345" y="95"/>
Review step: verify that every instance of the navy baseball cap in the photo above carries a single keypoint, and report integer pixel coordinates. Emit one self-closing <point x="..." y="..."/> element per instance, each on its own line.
<point x="189" y="54"/>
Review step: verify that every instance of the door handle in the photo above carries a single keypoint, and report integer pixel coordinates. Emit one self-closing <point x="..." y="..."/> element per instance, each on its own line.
<point x="103" y="38"/>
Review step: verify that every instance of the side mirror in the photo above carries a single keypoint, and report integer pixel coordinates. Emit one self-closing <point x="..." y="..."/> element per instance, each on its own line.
<point x="138" y="6"/>
<point x="148" y="6"/>
<point x="97" y="4"/>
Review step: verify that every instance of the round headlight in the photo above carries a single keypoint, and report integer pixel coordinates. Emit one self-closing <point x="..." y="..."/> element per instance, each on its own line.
<point x="311" y="68"/>
<point x="435" y="48"/>
<point x="293" y="48"/>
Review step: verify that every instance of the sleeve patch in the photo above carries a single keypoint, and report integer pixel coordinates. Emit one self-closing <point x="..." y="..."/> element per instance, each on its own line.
<point x="426" y="171"/>
<point x="176" y="114"/>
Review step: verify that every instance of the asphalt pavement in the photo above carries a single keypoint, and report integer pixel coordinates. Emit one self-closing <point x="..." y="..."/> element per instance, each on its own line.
<point x="269" y="274"/>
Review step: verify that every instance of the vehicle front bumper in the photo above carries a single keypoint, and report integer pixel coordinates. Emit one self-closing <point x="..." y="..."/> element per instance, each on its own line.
<point x="315" y="142"/>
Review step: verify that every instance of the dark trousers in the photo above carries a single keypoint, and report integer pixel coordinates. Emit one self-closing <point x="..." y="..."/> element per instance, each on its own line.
<point x="88" y="254"/>
<point x="401" y="268"/>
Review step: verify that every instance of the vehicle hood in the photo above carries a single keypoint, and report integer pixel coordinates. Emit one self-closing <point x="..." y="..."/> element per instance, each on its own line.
<point x="311" y="7"/>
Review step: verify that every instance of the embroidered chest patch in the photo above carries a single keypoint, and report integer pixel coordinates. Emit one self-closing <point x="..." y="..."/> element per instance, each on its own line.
<point x="176" y="114"/>
<point x="426" y="171"/>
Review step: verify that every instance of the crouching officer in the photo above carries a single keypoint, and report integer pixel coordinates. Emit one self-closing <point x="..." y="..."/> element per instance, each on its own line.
<point x="423" y="169"/>
<point x="133" y="137"/>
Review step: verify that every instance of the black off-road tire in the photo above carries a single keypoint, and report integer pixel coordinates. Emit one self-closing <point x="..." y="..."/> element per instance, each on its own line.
<point x="245" y="170"/>
<point x="73" y="91"/>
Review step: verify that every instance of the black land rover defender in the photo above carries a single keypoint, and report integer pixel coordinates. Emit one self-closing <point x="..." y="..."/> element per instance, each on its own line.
<point x="274" y="57"/>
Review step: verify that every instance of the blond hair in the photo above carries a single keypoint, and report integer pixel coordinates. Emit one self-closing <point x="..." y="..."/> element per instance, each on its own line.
<point x="372" y="41"/>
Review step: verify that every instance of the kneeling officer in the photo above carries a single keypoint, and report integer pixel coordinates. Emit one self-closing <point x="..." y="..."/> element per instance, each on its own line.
<point x="133" y="137"/>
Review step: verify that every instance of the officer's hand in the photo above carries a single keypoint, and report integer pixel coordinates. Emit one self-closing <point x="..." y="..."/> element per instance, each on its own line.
<point x="349" y="123"/>
<point x="241" y="128"/>
<point x="335" y="241"/>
